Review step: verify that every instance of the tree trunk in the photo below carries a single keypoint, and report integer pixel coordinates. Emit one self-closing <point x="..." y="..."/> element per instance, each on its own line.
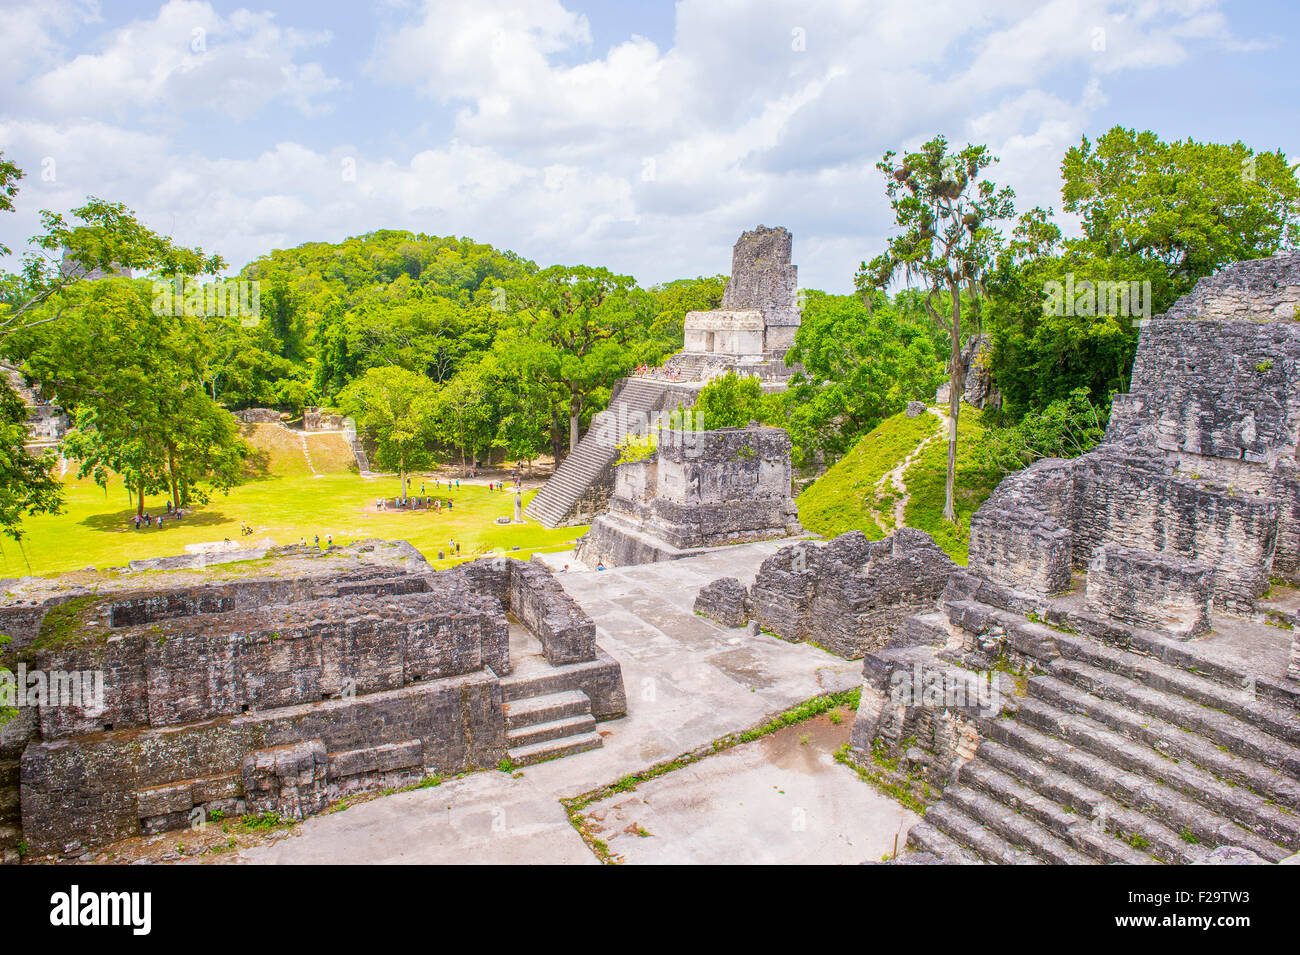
<point x="575" y="414"/>
<point x="139" y="508"/>
<point x="171" y="474"/>
<point x="956" y="382"/>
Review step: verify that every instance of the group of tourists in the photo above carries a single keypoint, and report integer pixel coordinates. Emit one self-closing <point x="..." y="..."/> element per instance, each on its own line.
<point x="149" y="520"/>
<point x="651" y="371"/>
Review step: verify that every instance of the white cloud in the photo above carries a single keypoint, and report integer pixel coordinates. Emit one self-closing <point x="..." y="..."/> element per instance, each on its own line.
<point x="648" y="160"/>
<point x="188" y="57"/>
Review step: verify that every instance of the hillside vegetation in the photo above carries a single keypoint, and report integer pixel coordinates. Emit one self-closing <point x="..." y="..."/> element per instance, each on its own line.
<point x="855" y="493"/>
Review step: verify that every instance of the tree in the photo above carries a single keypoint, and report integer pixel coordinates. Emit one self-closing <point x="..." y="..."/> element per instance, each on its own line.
<point x="397" y="407"/>
<point x="27" y="482"/>
<point x="945" y="212"/>
<point x="588" y="327"/>
<point x="132" y="380"/>
<point x="1191" y="207"/>
<point x="860" y="365"/>
<point x="99" y="235"/>
<point x="464" y="414"/>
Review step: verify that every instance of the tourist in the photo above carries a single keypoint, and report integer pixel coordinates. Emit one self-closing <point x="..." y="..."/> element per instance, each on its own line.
<point x="600" y="566"/>
<point x="317" y="542"/>
<point x="329" y="541"/>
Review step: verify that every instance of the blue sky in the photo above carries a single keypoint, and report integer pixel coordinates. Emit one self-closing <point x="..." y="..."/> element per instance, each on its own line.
<point x="640" y="136"/>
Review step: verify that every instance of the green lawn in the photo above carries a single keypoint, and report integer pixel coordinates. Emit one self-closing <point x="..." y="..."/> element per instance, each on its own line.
<point x="287" y="505"/>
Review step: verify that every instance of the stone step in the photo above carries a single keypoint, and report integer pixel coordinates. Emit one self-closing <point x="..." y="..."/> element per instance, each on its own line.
<point x="1171" y="808"/>
<point x="1273" y="718"/>
<point x="924" y="837"/>
<point x="1018" y="829"/>
<point x="969" y="834"/>
<point x="1169" y="740"/>
<point x="575" y="725"/>
<point x="545" y="708"/>
<point x="1096" y="809"/>
<point x="1076" y="831"/>
<point x="1238" y="735"/>
<point x="1252" y="811"/>
<point x="553" y="749"/>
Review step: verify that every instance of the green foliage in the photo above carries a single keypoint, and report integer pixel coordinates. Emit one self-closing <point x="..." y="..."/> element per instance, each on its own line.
<point x="947" y="242"/>
<point x="860" y="366"/>
<point x="397" y="408"/>
<point x="28" y="484"/>
<point x="131" y="381"/>
<point x="1066" y="428"/>
<point x="975" y="481"/>
<point x="845" y="497"/>
<point x="733" y="401"/>
<point x="1156" y="212"/>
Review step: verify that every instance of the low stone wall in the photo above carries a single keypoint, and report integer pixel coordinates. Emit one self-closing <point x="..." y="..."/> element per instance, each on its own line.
<point x="849" y="595"/>
<point x="1161" y="592"/>
<point x="566" y="633"/>
<point x="105" y="786"/>
<point x="725" y="600"/>
<point x="258" y="416"/>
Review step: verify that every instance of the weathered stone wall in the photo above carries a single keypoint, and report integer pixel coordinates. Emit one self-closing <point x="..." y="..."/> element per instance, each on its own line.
<point x="725" y="600"/>
<point x="1145" y="508"/>
<point x="1023" y="535"/>
<point x="1215" y="388"/>
<point x="698" y="489"/>
<point x="1255" y="289"/>
<point x="566" y="633"/>
<point x="105" y="786"/>
<point x="849" y="595"/>
<point x="277" y="693"/>
<point x="1160" y="592"/>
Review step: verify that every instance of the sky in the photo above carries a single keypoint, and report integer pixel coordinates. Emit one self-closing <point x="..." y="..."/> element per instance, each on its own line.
<point x="641" y="136"/>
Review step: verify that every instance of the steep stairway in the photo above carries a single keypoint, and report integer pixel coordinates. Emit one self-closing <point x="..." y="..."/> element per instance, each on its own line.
<point x="1134" y="751"/>
<point x="595" y="453"/>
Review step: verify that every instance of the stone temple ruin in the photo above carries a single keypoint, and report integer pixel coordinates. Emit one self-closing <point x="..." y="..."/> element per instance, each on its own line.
<point x="848" y="595"/>
<point x="282" y="684"/>
<point x="696" y="490"/>
<point x="1115" y="676"/>
<point x="749" y="335"/>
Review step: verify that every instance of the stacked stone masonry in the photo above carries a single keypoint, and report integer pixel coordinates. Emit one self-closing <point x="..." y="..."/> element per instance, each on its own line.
<point x="1150" y="712"/>
<point x="698" y="489"/>
<point x="280" y="694"/>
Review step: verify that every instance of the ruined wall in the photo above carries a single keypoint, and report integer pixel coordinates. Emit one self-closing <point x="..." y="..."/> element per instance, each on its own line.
<point x="1256" y="289"/>
<point x="1147" y="509"/>
<point x="277" y="693"/>
<point x="699" y="489"/>
<point x="849" y="595"/>
<point x="111" y="785"/>
<point x="1154" y="591"/>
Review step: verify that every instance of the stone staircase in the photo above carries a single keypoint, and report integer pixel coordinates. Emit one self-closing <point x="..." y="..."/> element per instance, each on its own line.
<point x="1125" y="747"/>
<point x="546" y="725"/>
<point x="555" y="504"/>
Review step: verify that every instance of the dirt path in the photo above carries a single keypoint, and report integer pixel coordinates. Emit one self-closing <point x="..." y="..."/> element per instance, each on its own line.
<point x="894" y="479"/>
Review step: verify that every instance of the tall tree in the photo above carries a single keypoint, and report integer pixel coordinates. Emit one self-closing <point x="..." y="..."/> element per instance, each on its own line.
<point x="397" y="408"/>
<point x="589" y="327"/>
<point x="133" y="381"/>
<point x="945" y="212"/>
